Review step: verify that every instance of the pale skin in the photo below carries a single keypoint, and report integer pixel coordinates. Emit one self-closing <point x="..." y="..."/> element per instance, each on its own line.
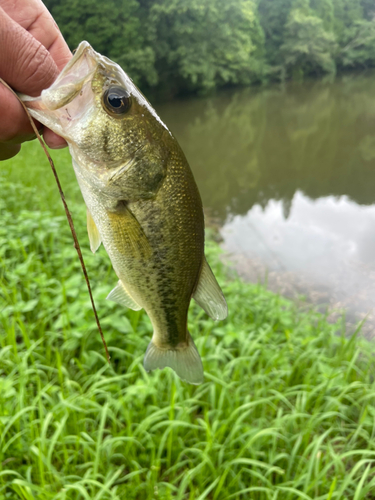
<point x="33" y="52"/>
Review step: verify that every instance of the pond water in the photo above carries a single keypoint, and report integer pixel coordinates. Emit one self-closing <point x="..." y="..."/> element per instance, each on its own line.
<point x="288" y="175"/>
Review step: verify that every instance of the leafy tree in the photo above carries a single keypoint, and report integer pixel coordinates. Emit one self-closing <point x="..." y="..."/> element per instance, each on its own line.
<point x="113" y="28"/>
<point x="346" y="14"/>
<point x="368" y="7"/>
<point x="324" y="9"/>
<point x="182" y="46"/>
<point x="308" y="48"/>
<point x="273" y="17"/>
<point x="208" y="44"/>
<point x="360" y="51"/>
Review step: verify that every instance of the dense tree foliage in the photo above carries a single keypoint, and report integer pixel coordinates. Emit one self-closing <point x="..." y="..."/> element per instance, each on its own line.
<point x="178" y="46"/>
<point x="307" y="47"/>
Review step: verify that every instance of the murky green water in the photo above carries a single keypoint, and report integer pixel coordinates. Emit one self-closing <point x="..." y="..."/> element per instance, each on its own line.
<point x="290" y="174"/>
<point x="251" y="146"/>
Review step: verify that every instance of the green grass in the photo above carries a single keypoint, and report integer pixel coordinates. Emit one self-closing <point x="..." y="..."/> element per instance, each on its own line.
<point x="286" y="410"/>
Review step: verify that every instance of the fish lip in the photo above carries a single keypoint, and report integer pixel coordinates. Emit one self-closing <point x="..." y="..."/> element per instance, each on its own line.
<point x="83" y="49"/>
<point x="70" y="76"/>
<point x="49" y="108"/>
<point x="77" y="54"/>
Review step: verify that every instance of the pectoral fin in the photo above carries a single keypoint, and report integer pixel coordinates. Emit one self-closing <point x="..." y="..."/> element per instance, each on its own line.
<point x="122" y="297"/>
<point x="129" y="238"/>
<point x="93" y="232"/>
<point x="208" y="294"/>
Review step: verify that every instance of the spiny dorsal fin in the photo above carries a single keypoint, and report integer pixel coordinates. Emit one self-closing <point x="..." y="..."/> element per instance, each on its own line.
<point x="93" y="233"/>
<point x="122" y="297"/>
<point x="208" y="294"/>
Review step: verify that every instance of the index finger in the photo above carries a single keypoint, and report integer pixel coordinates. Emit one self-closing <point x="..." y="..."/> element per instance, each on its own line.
<point x="28" y="67"/>
<point x="35" y="18"/>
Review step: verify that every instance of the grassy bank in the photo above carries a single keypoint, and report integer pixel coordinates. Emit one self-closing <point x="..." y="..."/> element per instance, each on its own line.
<point x="286" y="410"/>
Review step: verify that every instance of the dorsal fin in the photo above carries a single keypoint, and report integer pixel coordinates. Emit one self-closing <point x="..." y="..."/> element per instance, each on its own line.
<point x="208" y="294"/>
<point x="120" y="295"/>
<point x="94" y="236"/>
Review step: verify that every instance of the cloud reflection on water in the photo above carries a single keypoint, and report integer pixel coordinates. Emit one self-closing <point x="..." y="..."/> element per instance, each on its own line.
<point x="324" y="244"/>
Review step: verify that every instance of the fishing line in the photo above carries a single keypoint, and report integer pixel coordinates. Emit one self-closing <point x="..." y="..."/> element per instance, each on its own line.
<point x="68" y="216"/>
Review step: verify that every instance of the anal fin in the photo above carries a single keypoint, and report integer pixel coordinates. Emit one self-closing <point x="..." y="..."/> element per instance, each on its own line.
<point x="94" y="236"/>
<point x="122" y="297"/>
<point x="208" y="294"/>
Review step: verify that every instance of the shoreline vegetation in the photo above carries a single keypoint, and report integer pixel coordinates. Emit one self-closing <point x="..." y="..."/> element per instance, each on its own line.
<point x="286" y="410"/>
<point x="171" y="48"/>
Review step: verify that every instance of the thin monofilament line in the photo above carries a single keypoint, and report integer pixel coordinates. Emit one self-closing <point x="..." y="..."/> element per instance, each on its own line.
<point x="68" y="216"/>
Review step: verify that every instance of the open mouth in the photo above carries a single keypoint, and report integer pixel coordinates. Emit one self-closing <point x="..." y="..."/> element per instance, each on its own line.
<point x="71" y="80"/>
<point x="69" y="83"/>
<point x="57" y="106"/>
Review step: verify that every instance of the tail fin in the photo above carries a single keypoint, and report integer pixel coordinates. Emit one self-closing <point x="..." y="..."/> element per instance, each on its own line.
<point x="186" y="362"/>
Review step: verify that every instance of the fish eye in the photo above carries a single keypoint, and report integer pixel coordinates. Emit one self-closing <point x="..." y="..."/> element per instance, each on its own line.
<point x="116" y="101"/>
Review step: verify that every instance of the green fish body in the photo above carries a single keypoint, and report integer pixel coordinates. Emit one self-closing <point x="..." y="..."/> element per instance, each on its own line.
<point x="142" y="202"/>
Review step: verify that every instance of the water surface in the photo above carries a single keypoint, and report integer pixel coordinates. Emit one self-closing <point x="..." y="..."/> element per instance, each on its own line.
<point x="288" y="173"/>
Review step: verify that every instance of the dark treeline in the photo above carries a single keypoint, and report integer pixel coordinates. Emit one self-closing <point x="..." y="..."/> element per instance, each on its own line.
<point x="182" y="46"/>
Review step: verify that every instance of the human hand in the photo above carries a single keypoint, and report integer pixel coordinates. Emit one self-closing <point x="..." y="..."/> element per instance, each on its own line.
<point x="32" y="54"/>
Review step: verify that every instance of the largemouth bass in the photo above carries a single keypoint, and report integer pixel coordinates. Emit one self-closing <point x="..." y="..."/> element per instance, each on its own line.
<point x="142" y="202"/>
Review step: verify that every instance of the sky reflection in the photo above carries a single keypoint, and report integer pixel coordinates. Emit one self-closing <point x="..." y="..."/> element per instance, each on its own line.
<point x="325" y="248"/>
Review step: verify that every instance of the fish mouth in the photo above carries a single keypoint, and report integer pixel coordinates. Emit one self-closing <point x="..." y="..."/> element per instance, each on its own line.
<point x="57" y="106"/>
<point x="73" y="77"/>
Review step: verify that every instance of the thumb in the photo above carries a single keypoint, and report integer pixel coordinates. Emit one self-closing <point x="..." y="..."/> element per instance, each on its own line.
<point x="25" y="64"/>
